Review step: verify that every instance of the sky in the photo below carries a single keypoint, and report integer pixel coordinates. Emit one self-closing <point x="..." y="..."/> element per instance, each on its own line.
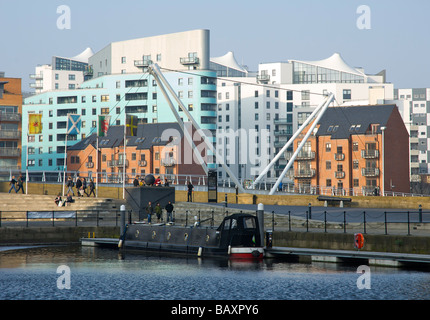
<point x="391" y="35"/>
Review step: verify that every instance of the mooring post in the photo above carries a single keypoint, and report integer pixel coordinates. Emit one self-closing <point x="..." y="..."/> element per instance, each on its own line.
<point x="122" y="223"/>
<point x="260" y="217"/>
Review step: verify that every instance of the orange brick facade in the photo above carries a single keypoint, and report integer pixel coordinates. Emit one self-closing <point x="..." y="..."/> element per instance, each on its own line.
<point x="360" y="164"/>
<point x="11" y="124"/>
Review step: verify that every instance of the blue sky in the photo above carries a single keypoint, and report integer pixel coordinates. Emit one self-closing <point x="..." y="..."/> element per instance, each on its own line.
<point x="256" y="31"/>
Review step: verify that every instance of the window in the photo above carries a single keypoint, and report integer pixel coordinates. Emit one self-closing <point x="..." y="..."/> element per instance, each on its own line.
<point x="104" y="98"/>
<point x="328" y="165"/>
<point x="347" y="94"/>
<point x="328" y="147"/>
<point x="94" y="99"/>
<point x="306" y="95"/>
<point x="123" y="60"/>
<point x="289" y="95"/>
<point x="72" y="77"/>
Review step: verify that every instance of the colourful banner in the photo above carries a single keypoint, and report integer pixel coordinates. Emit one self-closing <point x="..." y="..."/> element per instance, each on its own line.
<point x="34" y="123"/>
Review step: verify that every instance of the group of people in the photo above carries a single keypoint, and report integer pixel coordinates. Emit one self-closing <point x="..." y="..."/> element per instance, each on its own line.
<point x="158" y="211"/>
<point x="17" y="183"/>
<point x="139" y="181"/>
<point x="59" y="201"/>
<point x="81" y="187"/>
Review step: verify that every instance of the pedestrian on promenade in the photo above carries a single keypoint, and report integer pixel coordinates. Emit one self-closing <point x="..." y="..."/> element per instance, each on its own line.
<point x="158" y="212"/>
<point x="190" y="192"/>
<point x="12" y="184"/>
<point x="84" y="185"/>
<point x="78" y="187"/>
<point x="92" y="188"/>
<point x="70" y="184"/>
<point x="149" y="210"/>
<point x="20" y="184"/>
<point x="169" y="209"/>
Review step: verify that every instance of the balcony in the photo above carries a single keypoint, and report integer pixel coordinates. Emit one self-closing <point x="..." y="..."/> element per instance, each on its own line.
<point x="89" y="165"/>
<point x="12" y="117"/>
<point x="280" y="144"/>
<point x="370" y="154"/>
<point x="117" y="163"/>
<point x="142" y="63"/>
<point x="12" y="134"/>
<point x="278" y="133"/>
<point x="280" y="167"/>
<point x="370" y="172"/>
<point x="36" y="76"/>
<point x="142" y="163"/>
<point x="306" y="155"/>
<point x="36" y="85"/>
<point x="339" y="156"/>
<point x="282" y="121"/>
<point x="168" y="162"/>
<point x="188" y="61"/>
<point x="304" y="173"/>
<point x="10" y="152"/>
<point x="263" y="78"/>
<point x="339" y="174"/>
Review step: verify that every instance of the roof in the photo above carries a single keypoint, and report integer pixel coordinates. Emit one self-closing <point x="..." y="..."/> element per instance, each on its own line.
<point x="84" y="56"/>
<point x="228" y="60"/>
<point x="148" y="135"/>
<point x="335" y="62"/>
<point x="341" y="122"/>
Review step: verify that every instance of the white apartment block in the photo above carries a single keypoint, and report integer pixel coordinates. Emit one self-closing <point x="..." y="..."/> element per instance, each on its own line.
<point x="62" y="74"/>
<point x="417" y="115"/>
<point x="176" y="51"/>
<point x="277" y="101"/>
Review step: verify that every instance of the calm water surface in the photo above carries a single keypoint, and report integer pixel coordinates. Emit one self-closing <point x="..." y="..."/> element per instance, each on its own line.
<point x="103" y="274"/>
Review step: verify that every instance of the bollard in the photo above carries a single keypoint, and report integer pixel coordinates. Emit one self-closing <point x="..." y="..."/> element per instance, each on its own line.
<point x="260" y="217"/>
<point x="122" y="223"/>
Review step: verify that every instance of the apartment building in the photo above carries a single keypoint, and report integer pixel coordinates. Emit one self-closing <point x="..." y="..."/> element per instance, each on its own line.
<point x="276" y="101"/>
<point x="355" y="150"/>
<point x="417" y="105"/>
<point x="10" y="123"/>
<point x="158" y="148"/>
<point x="63" y="73"/>
<point x="122" y="85"/>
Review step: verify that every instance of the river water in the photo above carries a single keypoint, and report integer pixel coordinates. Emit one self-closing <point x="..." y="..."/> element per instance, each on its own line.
<point x="83" y="273"/>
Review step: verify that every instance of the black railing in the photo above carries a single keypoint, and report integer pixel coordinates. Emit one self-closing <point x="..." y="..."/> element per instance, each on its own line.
<point x="61" y="218"/>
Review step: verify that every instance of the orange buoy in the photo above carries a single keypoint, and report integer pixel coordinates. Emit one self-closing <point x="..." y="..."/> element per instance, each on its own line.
<point x="358" y="241"/>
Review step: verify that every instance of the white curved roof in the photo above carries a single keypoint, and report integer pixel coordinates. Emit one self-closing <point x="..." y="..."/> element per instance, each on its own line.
<point x="84" y="55"/>
<point x="228" y="60"/>
<point x="335" y="62"/>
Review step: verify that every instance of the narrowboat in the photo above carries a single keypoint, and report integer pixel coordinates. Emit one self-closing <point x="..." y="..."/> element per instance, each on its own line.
<point x="238" y="237"/>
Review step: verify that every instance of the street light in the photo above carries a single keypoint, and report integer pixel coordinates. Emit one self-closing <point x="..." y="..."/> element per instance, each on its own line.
<point x="383" y="160"/>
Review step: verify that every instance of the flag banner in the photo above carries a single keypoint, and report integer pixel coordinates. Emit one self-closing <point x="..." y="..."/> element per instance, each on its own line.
<point x="74" y="123"/>
<point x="131" y="126"/>
<point x="34" y="124"/>
<point x="104" y="123"/>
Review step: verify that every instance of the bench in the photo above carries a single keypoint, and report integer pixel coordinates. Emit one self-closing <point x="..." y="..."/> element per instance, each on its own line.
<point x="334" y="200"/>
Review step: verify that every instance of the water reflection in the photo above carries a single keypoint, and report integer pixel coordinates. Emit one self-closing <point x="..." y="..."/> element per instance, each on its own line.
<point x="107" y="274"/>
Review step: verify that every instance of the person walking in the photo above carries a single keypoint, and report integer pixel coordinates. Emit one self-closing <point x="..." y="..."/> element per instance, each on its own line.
<point x="84" y="185"/>
<point x="92" y="188"/>
<point x="20" y="184"/>
<point x="12" y="184"/>
<point x="149" y="210"/>
<point x="70" y="184"/>
<point x="169" y="210"/>
<point x="158" y="212"/>
<point x="78" y="186"/>
<point x="190" y="192"/>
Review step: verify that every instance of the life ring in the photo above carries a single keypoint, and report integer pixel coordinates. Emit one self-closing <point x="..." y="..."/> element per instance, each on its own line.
<point x="358" y="241"/>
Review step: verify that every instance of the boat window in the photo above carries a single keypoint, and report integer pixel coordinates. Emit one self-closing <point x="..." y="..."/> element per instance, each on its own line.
<point x="234" y="224"/>
<point x="249" y="223"/>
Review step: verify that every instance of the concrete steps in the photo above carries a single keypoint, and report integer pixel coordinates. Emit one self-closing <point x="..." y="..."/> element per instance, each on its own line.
<point x="18" y="204"/>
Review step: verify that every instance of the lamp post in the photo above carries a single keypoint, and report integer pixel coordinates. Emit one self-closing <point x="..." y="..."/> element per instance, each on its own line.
<point x="383" y="161"/>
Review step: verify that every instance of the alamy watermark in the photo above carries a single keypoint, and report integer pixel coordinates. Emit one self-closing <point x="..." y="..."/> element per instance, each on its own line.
<point x="364" y="20"/>
<point x="64" y="280"/>
<point x="364" y="280"/>
<point x="64" y="21"/>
